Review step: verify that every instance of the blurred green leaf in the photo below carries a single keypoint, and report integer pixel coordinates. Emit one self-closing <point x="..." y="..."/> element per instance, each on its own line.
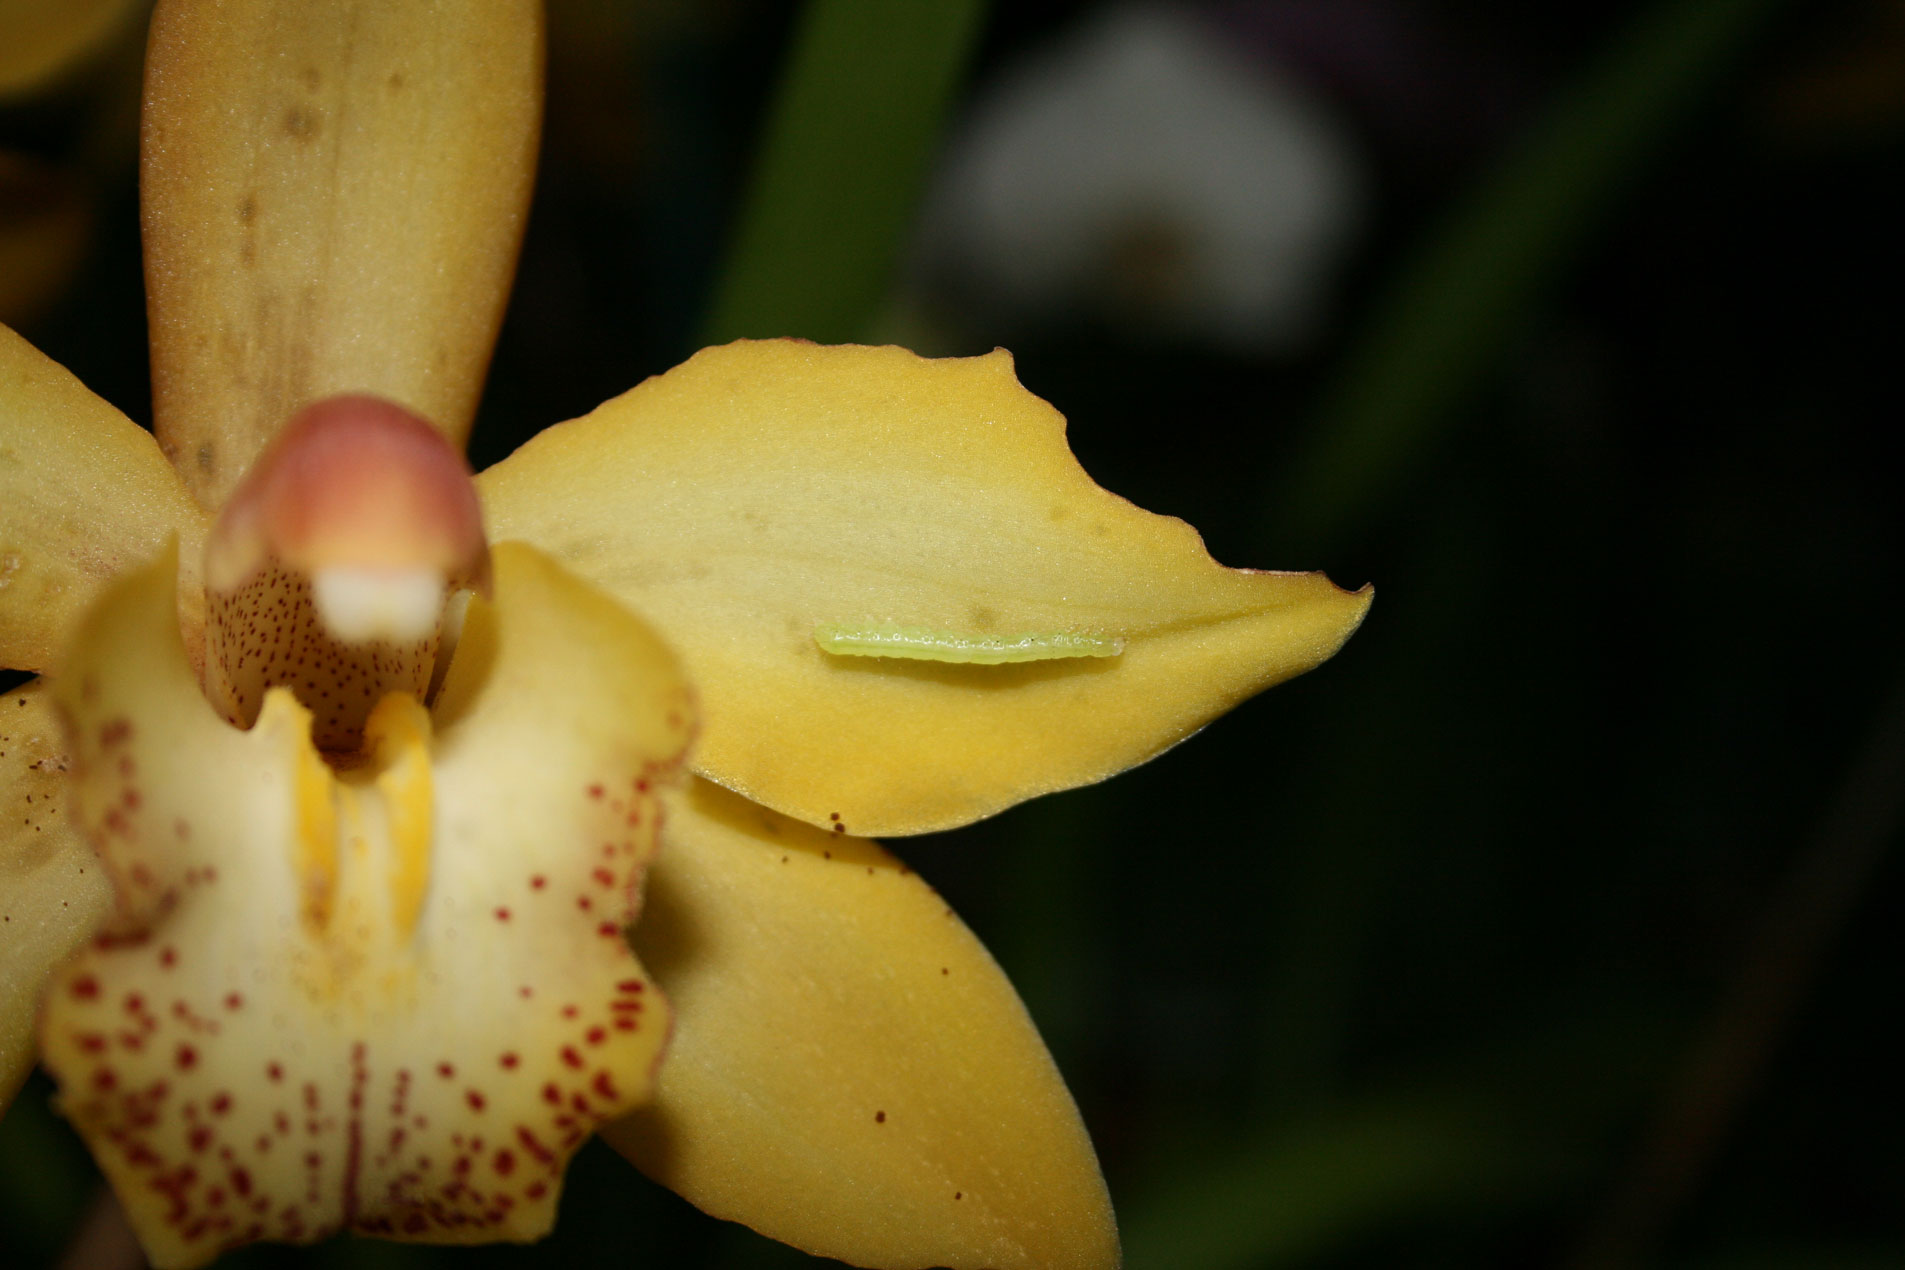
<point x="1515" y="1125"/>
<point x="45" y="1178"/>
<point x="1807" y="1257"/>
<point x="1454" y="309"/>
<point x="1316" y="1188"/>
<point x="846" y="148"/>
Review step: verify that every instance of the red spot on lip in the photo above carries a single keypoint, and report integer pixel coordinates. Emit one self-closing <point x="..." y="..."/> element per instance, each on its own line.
<point x="168" y="956"/>
<point x="187" y="1058"/>
<point x="445" y="1070"/>
<point x="274" y="1071"/>
<point x="551" y="1095"/>
<point x="568" y="1011"/>
<point x="233" y="1001"/>
<point x="502" y="914"/>
<point x="571" y="1056"/>
<point x="596" y="1035"/>
<point x="608" y="930"/>
<point x="475" y="1099"/>
<point x="537" y="882"/>
<point x="199" y="1138"/>
<point x="596" y="791"/>
<point x="509" y="1061"/>
<point x="221" y="1103"/>
<point x="603" y="1085"/>
<point x="504" y="1162"/>
<point x="135" y="1003"/>
<point x="92" y="1042"/>
<point x="605" y="877"/>
<point x="104" y="1078"/>
<point x="630" y="985"/>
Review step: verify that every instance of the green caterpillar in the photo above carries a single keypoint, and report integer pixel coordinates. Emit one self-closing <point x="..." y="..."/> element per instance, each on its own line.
<point x="916" y="643"/>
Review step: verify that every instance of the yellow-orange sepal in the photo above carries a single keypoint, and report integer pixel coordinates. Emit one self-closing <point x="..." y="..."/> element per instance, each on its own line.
<point x="765" y="496"/>
<point x="84" y="494"/>
<point x="851" y="1073"/>
<point x="53" y="891"/>
<point x="334" y="194"/>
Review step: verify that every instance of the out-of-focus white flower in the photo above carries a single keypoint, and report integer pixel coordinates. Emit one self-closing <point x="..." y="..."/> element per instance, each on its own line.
<point x="1146" y="173"/>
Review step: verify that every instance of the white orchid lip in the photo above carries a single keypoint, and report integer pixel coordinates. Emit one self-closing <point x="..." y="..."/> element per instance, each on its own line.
<point x="331" y="568"/>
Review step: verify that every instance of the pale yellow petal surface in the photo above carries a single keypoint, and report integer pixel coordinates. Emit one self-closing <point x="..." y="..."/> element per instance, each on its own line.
<point x="53" y="891"/>
<point x="84" y="493"/>
<point x="334" y="194"/>
<point x="850" y="1071"/>
<point x="763" y="492"/>
<point x="41" y="38"/>
<point x="393" y="999"/>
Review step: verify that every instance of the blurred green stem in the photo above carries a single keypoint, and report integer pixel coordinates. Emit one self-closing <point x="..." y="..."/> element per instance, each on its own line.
<point x="1804" y="912"/>
<point x="848" y="141"/>
<point x="1453" y="310"/>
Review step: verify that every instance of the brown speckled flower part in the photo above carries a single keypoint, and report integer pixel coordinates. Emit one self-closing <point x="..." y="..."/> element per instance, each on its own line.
<point x="393" y="999"/>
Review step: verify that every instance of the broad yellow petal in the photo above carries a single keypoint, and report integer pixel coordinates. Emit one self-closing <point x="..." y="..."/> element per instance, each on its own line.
<point x="850" y="1071"/>
<point x="84" y="493"/>
<point x="765" y="497"/>
<point x="334" y="194"/>
<point x="52" y="889"/>
<point x="393" y="998"/>
<point x="45" y="37"/>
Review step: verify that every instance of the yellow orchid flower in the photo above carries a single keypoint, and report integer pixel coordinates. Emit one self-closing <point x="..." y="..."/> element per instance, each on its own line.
<point x="356" y="955"/>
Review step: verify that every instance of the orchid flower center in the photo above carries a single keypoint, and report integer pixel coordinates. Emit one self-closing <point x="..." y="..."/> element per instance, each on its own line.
<point x="335" y="564"/>
<point x="382" y="985"/>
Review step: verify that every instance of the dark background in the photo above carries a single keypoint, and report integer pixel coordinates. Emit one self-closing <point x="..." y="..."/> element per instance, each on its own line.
<point x="1554" y="923"/>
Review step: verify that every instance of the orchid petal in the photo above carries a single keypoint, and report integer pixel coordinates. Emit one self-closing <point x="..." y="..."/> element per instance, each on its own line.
<point x="393" y="998"/>
<point x="84" y="493"/>
<point x="765" y="494"/>
<point x="52" y="890"/>
<point x="850" y="1071"/>
<point x="334" y="195"/>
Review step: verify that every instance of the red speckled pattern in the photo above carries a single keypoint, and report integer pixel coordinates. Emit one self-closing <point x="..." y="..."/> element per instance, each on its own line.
<point x="267" y="633"/>
<point x="395" y="999"/>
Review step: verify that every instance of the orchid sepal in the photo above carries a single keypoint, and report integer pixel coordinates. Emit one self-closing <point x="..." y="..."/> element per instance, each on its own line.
<point x="765" y="497"/>
<point x="851" y="1073"/>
